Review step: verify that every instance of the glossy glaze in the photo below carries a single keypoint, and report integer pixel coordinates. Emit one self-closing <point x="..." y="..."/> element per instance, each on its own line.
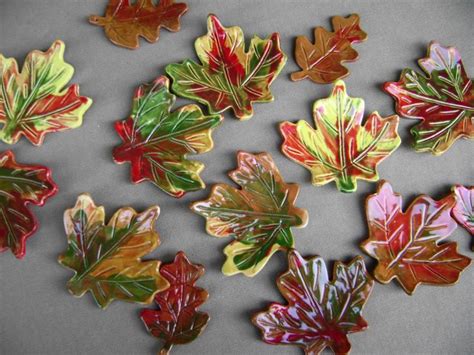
<point x="463" y="210"/>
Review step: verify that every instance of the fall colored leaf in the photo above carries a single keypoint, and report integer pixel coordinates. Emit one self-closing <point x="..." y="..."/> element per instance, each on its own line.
<point x="126" y="21"/>
<point x="320" y="313"/>
<point x="178" y="321"/>
<point x="106" y="259"/>
<point x="463" y="210"/>
<point x="21" y="185"/>
<point x="407" y="244"/>
<point x="229" y="77"/>
<point x="322" y="61"/>
<point x="341" y="149"/>
<point x="443" y="100"/>
<point x="156" y="140"/>
<point x="259" y="215"/>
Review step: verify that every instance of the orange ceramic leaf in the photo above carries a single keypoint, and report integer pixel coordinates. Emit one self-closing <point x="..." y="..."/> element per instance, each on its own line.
<point x="463" y="210"/>
<point x="322" y="61"/>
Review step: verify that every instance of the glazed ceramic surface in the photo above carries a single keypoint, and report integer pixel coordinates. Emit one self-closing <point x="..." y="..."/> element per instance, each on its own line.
<point x="463" y="210"/>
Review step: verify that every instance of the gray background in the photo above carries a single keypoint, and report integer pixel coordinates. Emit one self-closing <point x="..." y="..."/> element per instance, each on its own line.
<point x="37" y="313"/>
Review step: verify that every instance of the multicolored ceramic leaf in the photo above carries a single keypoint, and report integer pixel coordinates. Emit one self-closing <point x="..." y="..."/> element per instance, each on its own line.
<point x="408" y="244"/>
<point x="178" y="321"/>
<point x="156" y="140"/>
<point x="320" y="313"/>
<point x="463" y="210"/>
<point x="322" y="61"/>
<point x="34" y="102"/>
<point x="341" y="149"/>
<point x="106" y="259"/>
<point x="259" y="215"/>
<point x="126" y="21"/>
<point x="228" y="76"/>
<point x="443" y="100"/>
<point x="20" y="185"/>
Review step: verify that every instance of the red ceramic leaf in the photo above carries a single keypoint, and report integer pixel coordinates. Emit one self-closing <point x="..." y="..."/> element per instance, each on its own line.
<point x="21" y="185"/>
<point x="463" y="210"/>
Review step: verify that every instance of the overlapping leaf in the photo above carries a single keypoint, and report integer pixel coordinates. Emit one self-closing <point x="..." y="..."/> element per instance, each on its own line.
<point x="463" y="210"/>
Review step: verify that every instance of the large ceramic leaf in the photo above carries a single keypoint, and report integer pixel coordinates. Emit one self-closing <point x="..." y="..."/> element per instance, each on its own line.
<point x="20" y="185"/>
<point x="443" y="100"/>
<point x="228" y="76"/>
<point x="259" y="215"/>
<point x="407" y="244"/>
<point x="156" y="140"/>
<point x="178" y="321"/>
<point x="34" y="102"/>
<point x="463" y="210"/>
<point x="342" y="148"/>
<point x="106" y="259"/>
<point x="320" y="313"/>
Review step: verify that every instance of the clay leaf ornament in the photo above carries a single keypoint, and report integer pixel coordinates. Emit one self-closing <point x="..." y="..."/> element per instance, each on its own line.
<point x="156" y="140"/>
<point x="228" y="76"/>
<point x="106" y="259"/>
<point x="34" y="102"/>
<point x="443" y="100"/>
<point x="322" y="61"/>
<point x="177" y="321"/>
<point x="320" y="313"/>
<point x="126" y="21"/>
<point x="21" y="185"/>
<point x="463" y="210"/>
<point x="259" y="216"/>
<point x="407" y="245"/>
<point x="342" y="148"/>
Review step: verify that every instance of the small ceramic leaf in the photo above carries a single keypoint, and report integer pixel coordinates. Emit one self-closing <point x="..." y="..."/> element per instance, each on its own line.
<point x="259" y="215"/>
<point x="177" y="321"/>
<point x="106" y="259"/>
<point x="443" y="100"/>
<point x="322" y="61"/>
<point x="34" y="102"/>
<point x="21" y="185"/>
<point x="156" y="140"/>
<point x="229" y="77"/>
<point x="320" y="313"/>
<point x="408" y="244"/>
<point x="341" y="149"/>
<point x="126" y="21"/>
<point x="463" y="210"/>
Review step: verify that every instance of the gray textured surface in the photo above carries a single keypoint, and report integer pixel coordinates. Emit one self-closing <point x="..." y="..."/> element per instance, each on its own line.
<point x="38" y="315"/>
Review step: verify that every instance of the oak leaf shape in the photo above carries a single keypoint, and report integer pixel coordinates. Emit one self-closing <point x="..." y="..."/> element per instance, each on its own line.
<point x="229" y="77"/>
<point x="463" y="209"/>
<point x="33" y="102"/>
<point x="407" y="244"/>
<point x="320" y="313"/>
<point x="126" y="21"/>
<point x="443" y="100"/>
<point x="341" y="149"/>
<point x="156" y="140"/>
<point x="106" y="259"/>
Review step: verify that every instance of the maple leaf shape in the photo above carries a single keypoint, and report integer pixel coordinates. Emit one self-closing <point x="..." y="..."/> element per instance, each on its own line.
<point x="156" y="140"/>
<point x="106" y="259"/>
<point x="341" y="149"/>
<point x="229" y="77"/>
<point x="443" y="100"/>
<point x="463" y="209"/>
<point x="259" y="216"/>
<point x="20" y="185"/>
<point x="407" y="244"/>
<point x="125" y="22"/>
<point x="319" y="313"/>
<point x="33" y="102"/>
<point x="322" y="61"/>
<point x="177" y="321"/>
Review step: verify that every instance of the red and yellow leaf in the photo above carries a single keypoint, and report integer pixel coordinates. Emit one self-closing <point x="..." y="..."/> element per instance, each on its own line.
<point x="463" y="210"/>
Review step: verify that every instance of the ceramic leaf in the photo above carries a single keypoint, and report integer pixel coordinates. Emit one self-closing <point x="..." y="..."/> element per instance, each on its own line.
<point x="259" y="216"/>
<point x="463" y="210"/>
<point x="21" y="185"/>
<point x="443" y="99"/>
<point x="106" y="258"/>
<point x="342" y="148"/>
<point x="178" y="321"/>
<point x="157" y="140"/>
<point x="228" y="76"/>
<point x="126" y="21"/>
<point x="322" y="61"/>
<point x="320" y="313"/>
<point x="407" y="245"/>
